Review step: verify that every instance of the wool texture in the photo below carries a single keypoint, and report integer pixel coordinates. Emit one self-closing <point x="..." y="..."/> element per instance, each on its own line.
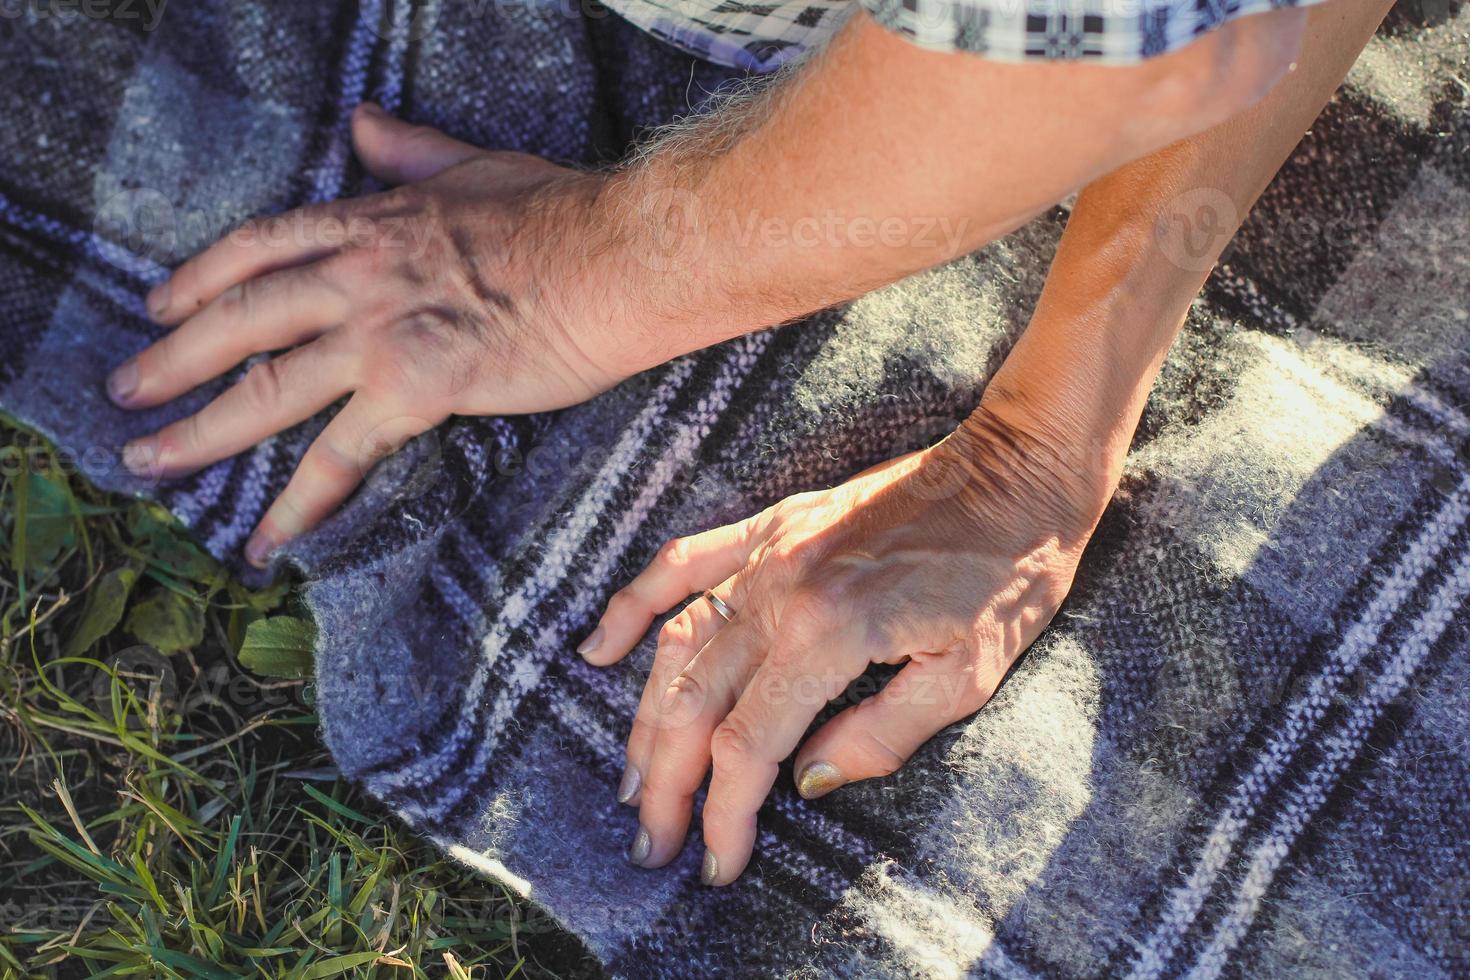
<point x="1241" y="747"/>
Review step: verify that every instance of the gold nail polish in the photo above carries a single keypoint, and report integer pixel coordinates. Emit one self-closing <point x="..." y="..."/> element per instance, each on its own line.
<point x="710" y="869"/>
<point x="818" y="779"/>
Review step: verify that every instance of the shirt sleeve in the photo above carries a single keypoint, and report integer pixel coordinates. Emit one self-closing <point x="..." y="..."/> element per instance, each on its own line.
<point x="1110" y="32"/>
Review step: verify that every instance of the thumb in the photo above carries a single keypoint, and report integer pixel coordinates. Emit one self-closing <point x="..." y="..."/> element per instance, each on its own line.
<point x="397" y="152"/>
<point x="876" y="736"/>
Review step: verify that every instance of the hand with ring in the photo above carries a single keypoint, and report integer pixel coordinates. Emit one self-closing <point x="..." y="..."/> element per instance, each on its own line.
<point x="950" y="560"/>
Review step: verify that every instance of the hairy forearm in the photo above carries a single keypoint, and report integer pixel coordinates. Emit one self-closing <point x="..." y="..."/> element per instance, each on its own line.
<point x="878" y="159"/>
<point x="1137" y="249"/>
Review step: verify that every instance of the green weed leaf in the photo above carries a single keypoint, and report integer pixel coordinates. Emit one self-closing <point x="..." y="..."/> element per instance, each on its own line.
<point x="102" y="610"/>
<point x="167" y="621"/>
<point x="280" y="646"/>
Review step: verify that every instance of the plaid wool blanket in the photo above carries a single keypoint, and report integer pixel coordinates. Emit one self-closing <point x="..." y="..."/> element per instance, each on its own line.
<point x="1242" y="745"/>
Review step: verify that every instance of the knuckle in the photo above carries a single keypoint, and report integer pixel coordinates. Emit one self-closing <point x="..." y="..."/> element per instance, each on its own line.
<point x="262" y="386"/>
<point x="682" y="701"/>
<point x="369" y="254"/>
<point x="320" y="280"/>
<point x="237" y="301"/>
<point x="429" y="351"/>
<point x="334" y="463"/>
<point x="816" y="605"/>
<point x="674" y="553"/>
<point x="794" y="558"/>
<point x="733" y="744"/>
<point x="362" y="256"/>
<point x="782" y="554"/>
<point x="798" y="502"/>
<point x="764" y="524"/>
<point x="687" y="689"/>
<point x="677" y="633"/>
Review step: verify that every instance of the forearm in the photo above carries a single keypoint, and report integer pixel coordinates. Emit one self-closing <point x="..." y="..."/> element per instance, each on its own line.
<point x="1124" y="277"/>
<point x="879" y="159"/>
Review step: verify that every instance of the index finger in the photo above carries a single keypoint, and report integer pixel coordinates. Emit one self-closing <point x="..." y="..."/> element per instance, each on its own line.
<point x="681" y="568"/>
<point x="259" y="246"/>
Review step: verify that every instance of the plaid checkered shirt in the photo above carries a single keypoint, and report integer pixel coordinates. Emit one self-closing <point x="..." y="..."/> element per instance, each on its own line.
<point x="763" y="36"/>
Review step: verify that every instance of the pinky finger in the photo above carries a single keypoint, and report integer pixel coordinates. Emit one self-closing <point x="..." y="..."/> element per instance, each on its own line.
<point x="362" y="433"/>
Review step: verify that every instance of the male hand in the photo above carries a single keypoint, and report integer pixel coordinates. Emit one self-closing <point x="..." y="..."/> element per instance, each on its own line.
<point x="462" y="291"/>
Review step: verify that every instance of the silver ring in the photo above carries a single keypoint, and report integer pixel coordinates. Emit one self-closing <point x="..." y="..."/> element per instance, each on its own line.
<point x="726" y="613"/>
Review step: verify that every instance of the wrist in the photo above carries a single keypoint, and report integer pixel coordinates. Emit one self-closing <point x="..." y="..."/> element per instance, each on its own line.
<point x="651" y="244"/>
<point x="1076" y="382"/>
<point x="599" y="276"/>
<point x="1064" y="477"/>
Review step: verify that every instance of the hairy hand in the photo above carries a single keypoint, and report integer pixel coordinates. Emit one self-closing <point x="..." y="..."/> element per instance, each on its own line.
<point x="950" y="560"/>
<point x="450" y="294"/>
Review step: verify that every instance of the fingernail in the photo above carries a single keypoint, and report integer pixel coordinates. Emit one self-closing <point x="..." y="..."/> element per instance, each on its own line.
<point x="628" y="785"/>
<point x="593" y="641"/>
<point x="258" y="549"/>
<point x="710" y="869"/>
<point x="372" y="108"/>
<point x="123" y="381"/>
<point x="642" y="845"/>
<point x="818" y="779"/>
<point x="140" y="457"/>
<point x="158" y="298"/>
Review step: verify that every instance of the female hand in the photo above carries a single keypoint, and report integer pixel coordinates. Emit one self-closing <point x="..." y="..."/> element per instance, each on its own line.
<point x="463" y="291"/>
<point x="950" y="560"/>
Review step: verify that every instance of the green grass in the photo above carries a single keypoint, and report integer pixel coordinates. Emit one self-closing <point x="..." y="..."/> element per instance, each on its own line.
<point x="167" y="811"/>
